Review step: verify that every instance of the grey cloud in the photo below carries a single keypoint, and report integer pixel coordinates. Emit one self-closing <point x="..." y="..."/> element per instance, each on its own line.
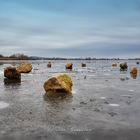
<point x="89" y="50"/>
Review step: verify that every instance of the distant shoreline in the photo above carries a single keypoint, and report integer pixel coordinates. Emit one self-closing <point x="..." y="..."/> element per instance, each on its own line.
<point x="20" y="56"/>
<point x="43" y="58"/>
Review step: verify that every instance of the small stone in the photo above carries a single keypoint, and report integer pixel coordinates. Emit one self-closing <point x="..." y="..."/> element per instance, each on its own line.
<point x="134" y="72"/>
<point x="69" y="66"/>
<point x="73" y="108"/>
<point x="49" y="65"/>
<point x="83" y="103"/>
<point x="83" y="65"/>
<point x="92" y="100"/>
<point x="36" y="69"/>
<point x="97" y="110"/>
<point x="30" y="112"/>
<point x="112" y="114"/>
<point x="128" y="102"/>
<point x="137" y="63"/>
<point x="106" y="102"/>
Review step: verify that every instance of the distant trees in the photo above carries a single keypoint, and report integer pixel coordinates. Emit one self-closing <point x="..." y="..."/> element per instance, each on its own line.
<point x="1" y="55"/>
<point x="19" y="56"/>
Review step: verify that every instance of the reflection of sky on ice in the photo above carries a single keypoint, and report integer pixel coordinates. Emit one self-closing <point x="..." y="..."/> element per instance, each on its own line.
<point x="98" y="95"/>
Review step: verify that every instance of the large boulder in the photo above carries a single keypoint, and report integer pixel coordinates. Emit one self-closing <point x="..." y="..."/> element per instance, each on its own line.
<point x="57" y="86"/>
<point x="24" y="68"/>
<point x="123" y="66"/>
<point x="12" y="74"/>
<point x="69" y="66"/>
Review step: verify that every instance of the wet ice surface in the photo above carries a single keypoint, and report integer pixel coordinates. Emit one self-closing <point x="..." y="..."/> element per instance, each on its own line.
<point x="104" y="102"/>
<point x="3" y="105"/>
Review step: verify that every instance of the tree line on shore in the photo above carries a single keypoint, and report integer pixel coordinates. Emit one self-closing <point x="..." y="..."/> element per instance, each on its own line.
<point x="20" y="56"/>
<point x="17" y="56"/>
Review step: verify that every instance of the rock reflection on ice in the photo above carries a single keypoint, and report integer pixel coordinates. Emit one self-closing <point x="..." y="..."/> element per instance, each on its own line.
<point x="1" y="72"/>
<point x="114" y="105"/>
<point x="124" y="77"/>
<point x="3" y="104"/>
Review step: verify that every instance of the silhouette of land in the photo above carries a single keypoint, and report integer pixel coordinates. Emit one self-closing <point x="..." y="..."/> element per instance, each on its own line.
<point x="25" y="57"/>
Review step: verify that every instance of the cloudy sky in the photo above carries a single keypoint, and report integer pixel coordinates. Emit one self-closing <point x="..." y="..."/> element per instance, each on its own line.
<point x="70" y="28"/>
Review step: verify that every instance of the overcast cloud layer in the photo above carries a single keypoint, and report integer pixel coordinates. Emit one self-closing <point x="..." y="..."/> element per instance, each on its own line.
<point x="70" y="28"/>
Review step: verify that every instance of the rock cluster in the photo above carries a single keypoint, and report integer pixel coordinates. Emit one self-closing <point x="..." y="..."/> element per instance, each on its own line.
<point x="13" y="74"/>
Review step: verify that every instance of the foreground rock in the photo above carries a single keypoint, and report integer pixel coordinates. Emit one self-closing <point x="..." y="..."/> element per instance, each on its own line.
<point x="134" y="72"/>
<point x="83" y="65"/>
<point x="69" y="66"/>
<point x="57" y="86"/>
<point x="123" y="66"/>
<point x="24" y="68"/>
<point x="12" y="74"/>
<point x="49" y="65"/>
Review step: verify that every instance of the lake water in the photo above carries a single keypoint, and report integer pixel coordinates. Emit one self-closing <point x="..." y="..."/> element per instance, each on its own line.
<point x="104" y="102"/>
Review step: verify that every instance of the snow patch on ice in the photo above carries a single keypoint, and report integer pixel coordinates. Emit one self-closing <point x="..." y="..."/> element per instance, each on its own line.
<point x="3" y="104"/>
<point x="114" y="105"/>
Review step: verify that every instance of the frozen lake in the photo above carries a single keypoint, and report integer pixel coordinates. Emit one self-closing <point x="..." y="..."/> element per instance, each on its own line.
<point x="105" y="103"/>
